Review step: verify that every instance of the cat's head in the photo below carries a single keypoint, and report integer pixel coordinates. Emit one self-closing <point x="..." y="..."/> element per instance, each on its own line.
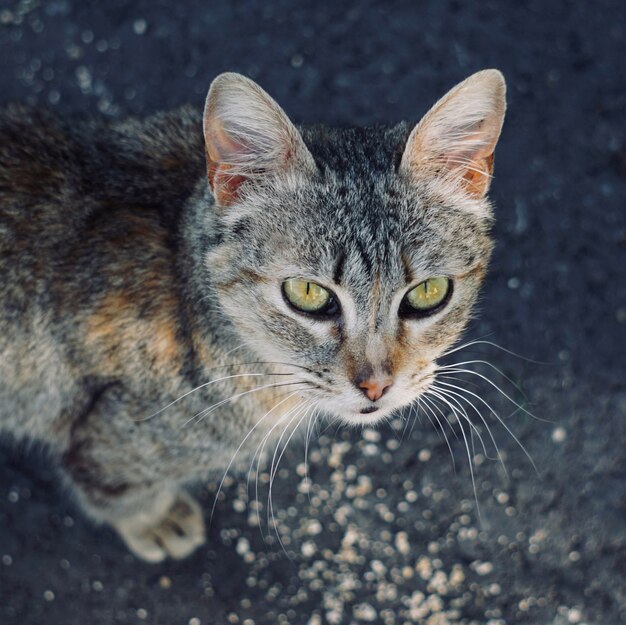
<point x="354" y="256"/>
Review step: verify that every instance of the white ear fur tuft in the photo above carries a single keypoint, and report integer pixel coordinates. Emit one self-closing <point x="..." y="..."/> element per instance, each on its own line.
<point x="458" y="136"/>
<point x="246" y="135"/>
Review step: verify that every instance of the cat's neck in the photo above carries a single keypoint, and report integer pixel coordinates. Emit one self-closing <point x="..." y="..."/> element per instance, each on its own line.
<point x="214" y="339"/>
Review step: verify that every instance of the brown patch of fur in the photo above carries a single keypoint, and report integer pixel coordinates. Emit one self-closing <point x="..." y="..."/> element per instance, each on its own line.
<point x="402" y="354"/>
<point x="352" y="367"/>
<point x="478" y="271"/>
<point x="270" y="398"/>
<point x="202" y="348"/>
<point x="34" y="180"/>
<point x="135" y="321"/>
<point x="117" y="326"/>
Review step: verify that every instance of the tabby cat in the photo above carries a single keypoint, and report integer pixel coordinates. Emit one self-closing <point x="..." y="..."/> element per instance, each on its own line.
<point x="177" y="290"/>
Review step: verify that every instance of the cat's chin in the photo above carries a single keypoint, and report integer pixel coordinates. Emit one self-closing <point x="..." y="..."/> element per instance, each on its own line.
<point x="364" y="417"/>
<point x="356" y="415"/>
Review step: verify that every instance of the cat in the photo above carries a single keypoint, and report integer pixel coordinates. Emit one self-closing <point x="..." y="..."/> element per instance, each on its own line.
<point x="177" y="290"/>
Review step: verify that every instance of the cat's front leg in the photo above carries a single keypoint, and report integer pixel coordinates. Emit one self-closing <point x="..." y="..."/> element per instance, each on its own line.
<point x="123" y="474"/>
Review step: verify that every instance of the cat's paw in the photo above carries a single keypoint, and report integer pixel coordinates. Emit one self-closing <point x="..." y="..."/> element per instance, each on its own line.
<point x="176" y="534"/>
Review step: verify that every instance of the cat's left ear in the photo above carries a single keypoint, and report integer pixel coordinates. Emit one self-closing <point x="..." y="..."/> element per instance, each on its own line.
<point x="247" y="137"/>
<point x="458" y="136"/>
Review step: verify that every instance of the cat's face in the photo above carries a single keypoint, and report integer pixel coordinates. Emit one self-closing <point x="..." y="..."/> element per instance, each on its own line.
<point x="353" y="257"/>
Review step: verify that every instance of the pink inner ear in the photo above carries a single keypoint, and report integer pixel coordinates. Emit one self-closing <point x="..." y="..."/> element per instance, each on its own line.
<point x="475" y="166"/>
<point x="477" y="176"/>
<point x="248" y="139"/>
<point x="474" y="163"/>
<point x="222" y="150"/>
<point x="223" y="185"/>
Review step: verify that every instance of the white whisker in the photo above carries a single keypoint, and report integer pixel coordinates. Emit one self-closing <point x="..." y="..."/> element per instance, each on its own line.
<point x="428" y="405"/>
<point x="474" y="429"/>
<point x="454" y="369"/>
<point x="274" y="469"/>
<point x="501" y="421"/>
<point x="219" y="488"/>
<point x="469" y="456"/>
<point x="407" y="421"/>
<point x="460" y="410"/>
<point x="209" y="383"/>
<point x="492" y="344"/>
<point x="204" y="413"/>
<point x="259" y="450"/>
<point x="480" y="416"/>
<point x="309" y="432"/>
<point x="482" y="362"/>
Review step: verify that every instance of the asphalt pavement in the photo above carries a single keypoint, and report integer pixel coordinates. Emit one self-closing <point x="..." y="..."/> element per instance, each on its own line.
<point x="388" y="526"/>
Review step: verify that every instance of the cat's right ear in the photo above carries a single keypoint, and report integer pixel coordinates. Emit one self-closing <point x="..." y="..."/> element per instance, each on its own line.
<point x="247" y="136"/>
<point x="456" y="139"/>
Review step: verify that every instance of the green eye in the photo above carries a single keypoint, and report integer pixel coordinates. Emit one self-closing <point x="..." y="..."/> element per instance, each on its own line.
<point x="307" y="296"/>
<point x="427" y="295"/>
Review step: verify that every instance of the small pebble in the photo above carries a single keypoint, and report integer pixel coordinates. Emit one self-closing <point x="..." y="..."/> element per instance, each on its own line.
<point x="308" y="549"/>
<point x="297" y="60"/>
<point x="373" y="436"/>
<point x="502" y="498"/>
<point x="402" y="543"/>
<point x="370" y="449"/>
<point x="165" y="582"/>
<point x="559" y="435"/>
<point x="424" y="455"/>
<point x="140" y="26"/>
<point x="243" y="546"/>
<point x="483" y="568"/>
<point x="365" y="612"/>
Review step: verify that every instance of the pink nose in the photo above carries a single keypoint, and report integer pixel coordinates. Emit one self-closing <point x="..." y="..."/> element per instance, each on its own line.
<point x="375" y="388"/>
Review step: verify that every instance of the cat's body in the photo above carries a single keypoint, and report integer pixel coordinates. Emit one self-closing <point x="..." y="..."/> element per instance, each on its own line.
<point x="128" y="283"/>
<point x="102" y="321"/>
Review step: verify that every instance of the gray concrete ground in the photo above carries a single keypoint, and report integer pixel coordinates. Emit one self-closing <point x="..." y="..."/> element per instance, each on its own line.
<point x="388" y="529"/>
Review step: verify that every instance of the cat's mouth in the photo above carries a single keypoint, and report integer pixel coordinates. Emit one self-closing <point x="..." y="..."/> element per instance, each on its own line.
<point x="366" y="415"/>
<point x="369" y="410"/>
<point x="354" y="411"/>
